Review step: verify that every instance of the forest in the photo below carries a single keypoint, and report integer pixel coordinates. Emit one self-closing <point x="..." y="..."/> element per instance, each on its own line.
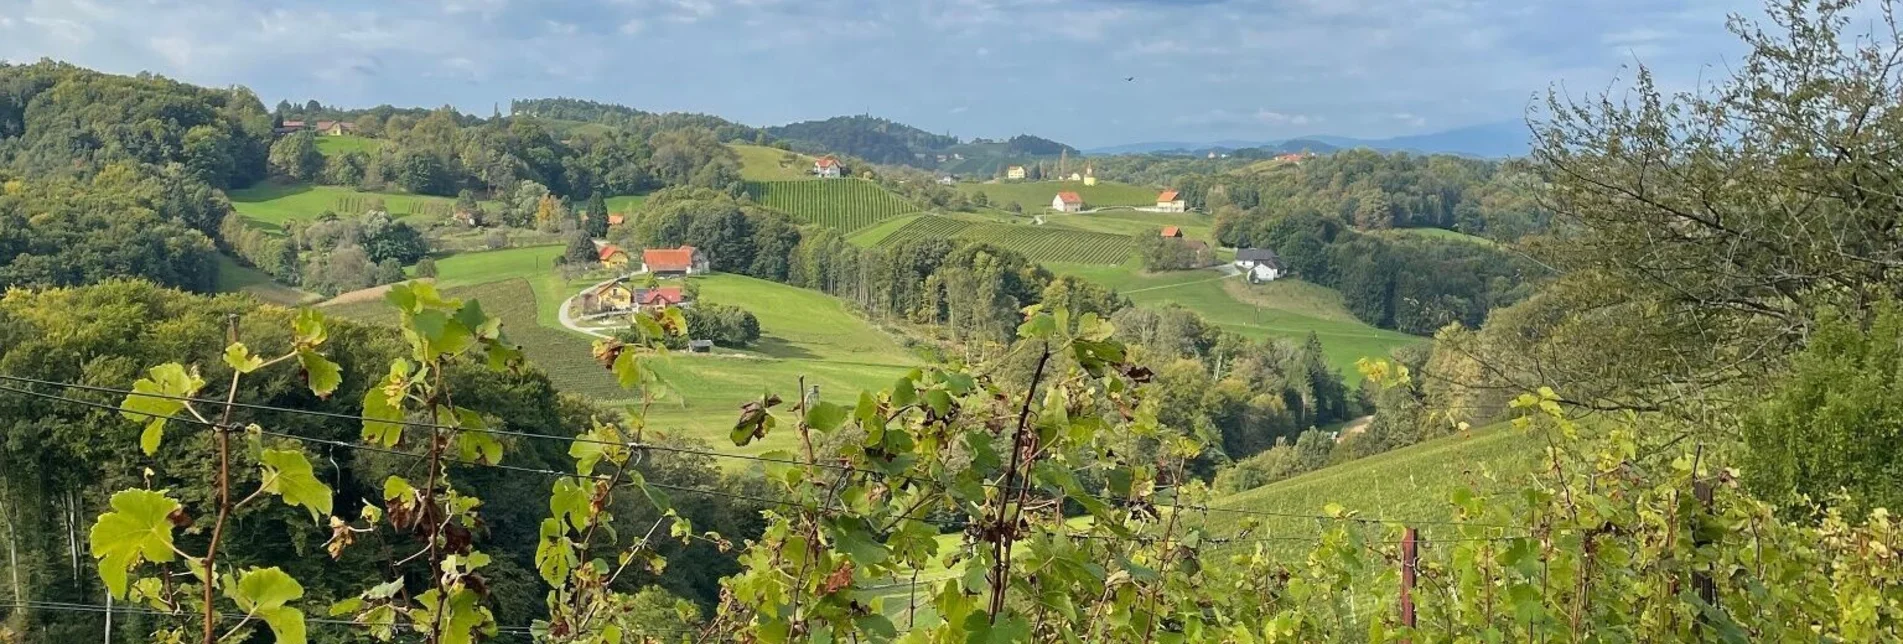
<point x="1687" y="303"/>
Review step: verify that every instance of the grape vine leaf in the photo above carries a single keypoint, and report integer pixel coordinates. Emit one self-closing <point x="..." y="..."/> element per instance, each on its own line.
<point x="288" y="474"/>
<point x="264" y="592"/>
<point x="154" y="399"/>
<point x="825" y="416"/>
<point x="138" y="529"/>
<point x="569" y="502"/>
<point x="241" y="359"/>
<point x="383" y="407"/>
<point x="320" y="373"/>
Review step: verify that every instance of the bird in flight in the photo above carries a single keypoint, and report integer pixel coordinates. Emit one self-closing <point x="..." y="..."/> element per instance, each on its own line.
<point x="1129" y="78"/>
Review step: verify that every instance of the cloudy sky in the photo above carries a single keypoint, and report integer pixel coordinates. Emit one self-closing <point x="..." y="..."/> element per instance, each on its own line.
<point x="1205" y="69"/>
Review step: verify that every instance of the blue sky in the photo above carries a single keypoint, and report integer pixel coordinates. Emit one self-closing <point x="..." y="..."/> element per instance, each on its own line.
<point x="1205" y="69"/>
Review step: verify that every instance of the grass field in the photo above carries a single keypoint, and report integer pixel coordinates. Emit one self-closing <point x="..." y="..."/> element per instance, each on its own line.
<point x="237" y="278"/>
<point x="1036" y="196"/>
<point x="336" y="145"/>
<point x="844" y="205"/>
<point x="1412" y="483"/>
<point x="271" y="205"/>
<point x="1195" y="226"/>
<point x="624" y="204"/>
<point x="465" y="269"/>
<point x="1287" y="309"/>
<point x="1440" y="233"/>
<point x="1039" y="243"/>
<point x="762" y="163"/>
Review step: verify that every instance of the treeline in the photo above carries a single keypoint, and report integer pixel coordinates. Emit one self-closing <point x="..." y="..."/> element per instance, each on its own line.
<point x="1247" y="393"/>
<point x="873" y="139"/>
<point x="1395" y="280"/>
<point x="639" y="123"/>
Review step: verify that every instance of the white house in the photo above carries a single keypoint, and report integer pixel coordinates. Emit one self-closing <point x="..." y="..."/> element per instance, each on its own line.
<point x="1171" y="201"/>
<point x="947" y="180"/>
<point x="1067" y="202"/>
<point x="1014" y="172"/>
<point x="1261" y="264"/>
<point x="826" y="167"/>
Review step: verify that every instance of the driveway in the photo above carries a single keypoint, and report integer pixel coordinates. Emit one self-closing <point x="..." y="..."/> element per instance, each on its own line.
<point x="569" y="321"/>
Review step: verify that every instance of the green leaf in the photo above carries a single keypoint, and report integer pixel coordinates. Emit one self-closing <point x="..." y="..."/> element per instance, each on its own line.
<point x="473" y="319"/>
<point x="240" y="358"/>
<point x="626" y="369"/>
<point x="307" y="330"/>
<point x="655" y="495"/>
<point x="288" y="474"/>
<point x="322" y="374"/>
<point x="286" y="623"/>
<point x="570" y="502"/>
<point x="145" y="404"/>
<point x="853" y="536"/>
<point x="825" y="416"/>
<point x="478" y="447"/>
<point x="264" y="592"/>
<point x="938" y="400"/>
<point x="904" y="393"/>
<point x="382" y="411"/>
<point x="138" y="529"/>
<point x="1039" y="325"/>
<point x="441" y="334"/>
<point x="553" y="556"/>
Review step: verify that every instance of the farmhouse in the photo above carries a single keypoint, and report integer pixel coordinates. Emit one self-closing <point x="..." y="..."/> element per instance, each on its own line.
<point x="1014" y="172"/>
<point x="289" y="127"/>
<point x="661" y="297"/>
<point x="827" y="167"/>
<point x="1067" y="202"/>
<point x="613" y="257"/>
<point x="610" y="297"/>
<point x="616" y="219"/>
<point x="336" y="128"/>
<point x="1173" y="231"/>
<point x="1171" y="201"/>
<point x="947" y="180"/>
<point x="1090" y="178"/>
<point x="1262" y="264"/>
<point x="1074" y="176"/>
<point x="674" y="262"/>
<point x="1294" y="157"/>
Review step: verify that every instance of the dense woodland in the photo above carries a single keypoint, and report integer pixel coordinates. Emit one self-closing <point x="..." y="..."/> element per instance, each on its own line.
<point x="1713" y="375"/>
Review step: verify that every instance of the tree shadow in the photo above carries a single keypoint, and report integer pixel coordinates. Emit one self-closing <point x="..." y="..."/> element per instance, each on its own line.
<point x="780" y="348"/>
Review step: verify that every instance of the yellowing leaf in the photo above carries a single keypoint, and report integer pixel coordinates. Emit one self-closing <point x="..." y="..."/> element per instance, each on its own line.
<point x="155" y="398"/>
<point x="240" y="358"/>
<point x="138" y="529"/>
<point x="288" y="474"/>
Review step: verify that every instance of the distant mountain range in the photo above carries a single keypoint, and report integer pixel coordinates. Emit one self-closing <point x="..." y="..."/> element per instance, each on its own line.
<point x="1488" y="140"/>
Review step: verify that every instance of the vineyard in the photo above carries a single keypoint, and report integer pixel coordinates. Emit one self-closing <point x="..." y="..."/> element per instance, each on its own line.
<point x="1038" y="243"/>
<point x="844" y="205"/>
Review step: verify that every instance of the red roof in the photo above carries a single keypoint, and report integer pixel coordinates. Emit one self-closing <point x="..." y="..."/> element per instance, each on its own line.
<point x="615" y="220"/>
<point x="666" y="295"/>
<point x="1167" y="195"/>
<point x="610" y="251"/>
<point x="1172" y="231"/>
<point x="826" y="162"/>
<point x="669" y="259"/>
<point x="1070" y="197"/>
<point x="293" y="124"/>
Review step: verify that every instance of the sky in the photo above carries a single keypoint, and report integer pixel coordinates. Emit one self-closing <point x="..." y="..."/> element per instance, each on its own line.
<point x="1204" y="70"/>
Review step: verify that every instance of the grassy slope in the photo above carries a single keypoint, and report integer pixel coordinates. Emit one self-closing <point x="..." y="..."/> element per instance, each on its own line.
<point x="236" y="278"/>
<point x="625" y="203"/>
<point x="336" y="145"/>
<point x="1440" y="233"/>
<point x="1036" y="195"/>
<point x="273" y="204"/>
<point x="762" y="163"/>
<point x="803" y="333"/>
<point x="1413" y="482"/>
<point x="1286" y="309"/>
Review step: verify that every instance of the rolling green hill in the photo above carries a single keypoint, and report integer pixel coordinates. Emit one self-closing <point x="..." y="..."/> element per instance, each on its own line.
<point x="336" y="145"/>
<point x="803" y="334"/>
<point x="236" y="278"/>
<point x="1414" y="482"/>
<point x="762" y="163"/>
<point x="1036" y="195"/>
<point x="271" y="205"/>
<point x="844" y="205"/>
<point x="1038" y="243"/>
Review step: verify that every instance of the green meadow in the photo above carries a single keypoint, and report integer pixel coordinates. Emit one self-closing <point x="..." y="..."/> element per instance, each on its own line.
<point x="1036" y="195"/>
<point x="271" y="205"/>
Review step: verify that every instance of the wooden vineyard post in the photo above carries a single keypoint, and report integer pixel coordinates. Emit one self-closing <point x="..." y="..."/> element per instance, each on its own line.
<point x="1410" y="559"/>
<point x="1702" y="583"/>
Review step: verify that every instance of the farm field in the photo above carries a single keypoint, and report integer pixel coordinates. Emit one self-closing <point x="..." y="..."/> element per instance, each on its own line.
<point x="844" y="205"/>
<point x="1039" y="243"/>
<point x="1285" y="308"/>
<point x="237" y="278"/>
<point x="624" y="204"/>
<point x="803" y="334"/>
<point x="762" y="163"/>
<point x="271" y="205"/>
<point x="336" y="145"/>
<point x="1439" y="233"/>
<point x="1414" y="483"/>
<point x="1194" y="225"/>
<point x="1035" y="196"/>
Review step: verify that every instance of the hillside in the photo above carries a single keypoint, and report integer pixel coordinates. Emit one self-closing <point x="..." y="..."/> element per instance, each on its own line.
<point x="1043" y="244"/>
<point x="1034" y="196"/>
<point x="274" y="204"/>
<point x="844" y="205"/>
<point x="762" y="163"/>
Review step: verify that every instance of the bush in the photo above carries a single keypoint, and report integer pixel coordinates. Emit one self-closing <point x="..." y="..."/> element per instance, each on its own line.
<point x="426" y="268"/>
<point x="727" y="326"/>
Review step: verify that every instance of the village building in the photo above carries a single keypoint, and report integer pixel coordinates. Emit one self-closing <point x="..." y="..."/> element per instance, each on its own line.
<point x="674" y="262"/>
<point x="947" y="180"/>
<point x="661" y="298"/>
<point x="607" y="298"/>
<point x="700" y="346"/>
<point x="1090" y="178"/>
<point x="613" y="257"/>
<point x="1171" y="201"/>
<point x="1014" y="172"/>
<point x="1173" y="231"/>
<point x="1261" y="264"/>
<point x="827" y="167"/>
<point x="336" y="128"/>
<point x="1067" y="202"/>
<point x="1076" y="176"/>
<point x="617" y="219"/>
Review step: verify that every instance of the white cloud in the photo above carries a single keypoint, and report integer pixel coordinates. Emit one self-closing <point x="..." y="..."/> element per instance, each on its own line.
<point x="561" y="28"/>
<point x="176" y="50"/>
<point x="1412" y="120"/>
<point x="632" y="26"/>
<point x="1278" y="118"/>
<point x="961" y="109"/>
